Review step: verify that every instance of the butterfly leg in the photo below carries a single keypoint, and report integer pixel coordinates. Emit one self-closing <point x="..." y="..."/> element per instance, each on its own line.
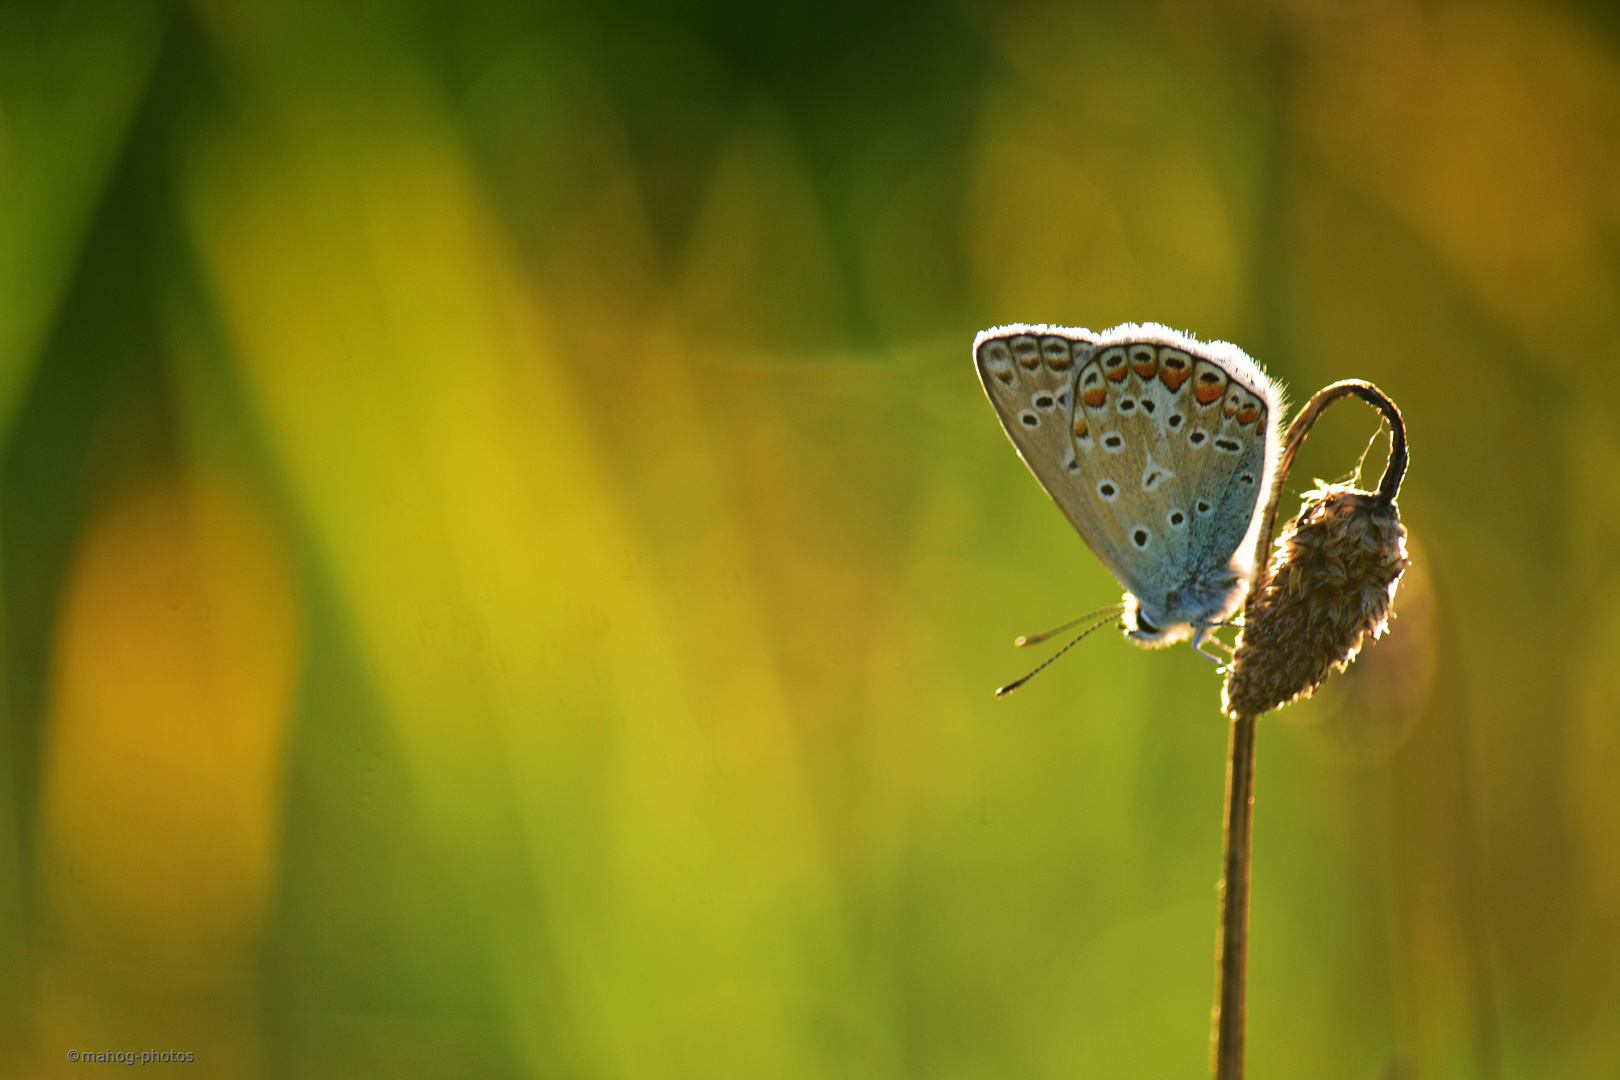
<point x="1206" y="635"/>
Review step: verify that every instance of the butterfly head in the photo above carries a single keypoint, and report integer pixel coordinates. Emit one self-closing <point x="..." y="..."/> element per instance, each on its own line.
<point x="1149" y="629"/>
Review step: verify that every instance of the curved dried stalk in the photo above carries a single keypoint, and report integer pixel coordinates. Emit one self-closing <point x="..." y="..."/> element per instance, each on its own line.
<point x="1232" y="939"/>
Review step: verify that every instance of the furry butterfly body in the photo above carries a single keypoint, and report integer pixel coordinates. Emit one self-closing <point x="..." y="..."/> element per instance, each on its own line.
<point x="1159" y="449"/>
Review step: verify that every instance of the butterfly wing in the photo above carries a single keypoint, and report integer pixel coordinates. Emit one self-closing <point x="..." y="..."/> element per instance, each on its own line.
<point x="1031" y="375"/>
<point x="1159" y="449"/>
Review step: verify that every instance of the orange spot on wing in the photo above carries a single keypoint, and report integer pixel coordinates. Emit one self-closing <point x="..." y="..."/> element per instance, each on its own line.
<point x="1095" y="396"/>
<point x="1249" y="415"/>
<point x="1079" y="427"/>
<point x="1209" y="387"/>
<point x="1146" y="368"/>
<point x="1174" y="377"/>
<point x="1118" y="374"/>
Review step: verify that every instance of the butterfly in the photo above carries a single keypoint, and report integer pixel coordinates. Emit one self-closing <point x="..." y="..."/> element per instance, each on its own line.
<point x="1159" y="449"/>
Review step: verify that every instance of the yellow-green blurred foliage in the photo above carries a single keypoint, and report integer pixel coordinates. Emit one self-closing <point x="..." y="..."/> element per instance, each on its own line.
<point x="504" y="557"/>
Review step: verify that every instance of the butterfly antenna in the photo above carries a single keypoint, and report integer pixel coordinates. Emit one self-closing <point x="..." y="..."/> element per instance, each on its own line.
<point x="1112" y="611"/>
<point x="1016" y="683"/>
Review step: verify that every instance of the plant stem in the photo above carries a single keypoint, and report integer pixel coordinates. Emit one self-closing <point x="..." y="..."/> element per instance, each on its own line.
<point x="1232" y="939"/>
<point x="1388" y="487"/>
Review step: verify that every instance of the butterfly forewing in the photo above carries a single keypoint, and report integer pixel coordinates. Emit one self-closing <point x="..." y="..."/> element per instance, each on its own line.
<point x="1037" y="392"/>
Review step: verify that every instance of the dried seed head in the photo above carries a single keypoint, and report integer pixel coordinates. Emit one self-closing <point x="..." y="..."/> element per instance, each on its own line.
<point x="1330" y="584"/>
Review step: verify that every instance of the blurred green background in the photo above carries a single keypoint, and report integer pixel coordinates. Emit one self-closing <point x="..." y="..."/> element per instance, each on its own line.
<point x="504" y="556"/>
